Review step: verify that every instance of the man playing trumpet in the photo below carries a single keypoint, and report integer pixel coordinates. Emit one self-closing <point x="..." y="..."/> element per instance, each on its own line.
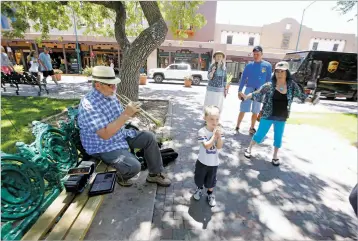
<point x="101" y="120"/>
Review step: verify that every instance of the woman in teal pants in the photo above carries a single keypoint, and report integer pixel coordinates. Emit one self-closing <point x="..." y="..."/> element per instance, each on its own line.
<point x="277" y="97"/>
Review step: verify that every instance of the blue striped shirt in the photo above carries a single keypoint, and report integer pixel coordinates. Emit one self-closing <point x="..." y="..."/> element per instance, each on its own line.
<point x="96" y="111"/>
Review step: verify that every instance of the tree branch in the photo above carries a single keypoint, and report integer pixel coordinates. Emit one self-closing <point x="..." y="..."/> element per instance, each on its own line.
<point x="107" y="4"/>
<point x="151" y="11"/>
<point x="120" y="26"/>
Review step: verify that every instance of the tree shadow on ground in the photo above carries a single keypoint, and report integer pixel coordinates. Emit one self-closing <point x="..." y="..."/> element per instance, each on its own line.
<point x="255" y="200"/>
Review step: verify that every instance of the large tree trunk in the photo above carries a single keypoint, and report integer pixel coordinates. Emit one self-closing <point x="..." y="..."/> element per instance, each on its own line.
<point x="135" y="54"/>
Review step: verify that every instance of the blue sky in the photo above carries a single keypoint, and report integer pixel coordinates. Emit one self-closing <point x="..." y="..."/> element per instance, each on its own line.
<point x="319" y="16"/>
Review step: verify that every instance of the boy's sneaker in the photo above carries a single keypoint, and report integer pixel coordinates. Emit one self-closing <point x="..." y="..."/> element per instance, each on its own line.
<point x="161" y="179"/>
<point x="198" y="193"/>
<point x="211" y="200"/>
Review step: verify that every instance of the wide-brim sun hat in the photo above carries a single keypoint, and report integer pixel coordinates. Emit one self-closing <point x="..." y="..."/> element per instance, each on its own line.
<point x="219" y="52"/>
<point x="283" y="65"/>
<point x="104" y="74"/>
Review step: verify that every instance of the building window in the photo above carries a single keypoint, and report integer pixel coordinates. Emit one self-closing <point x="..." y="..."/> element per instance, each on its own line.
<point x="335" y="47"/>
<point x="315" y="46"/>
<point x="251" y="41"/>
<point x="229" y="39"/>
<point x="288" y="26"/>
<point x="285" y="41"/>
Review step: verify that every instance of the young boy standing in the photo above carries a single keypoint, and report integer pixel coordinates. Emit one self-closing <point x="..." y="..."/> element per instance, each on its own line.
<point x="211" y="140"/>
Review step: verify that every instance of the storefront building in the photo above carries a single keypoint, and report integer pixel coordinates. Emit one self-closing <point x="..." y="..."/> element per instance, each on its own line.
<point x="64" y="55"/>
<point x="198" y="60"/>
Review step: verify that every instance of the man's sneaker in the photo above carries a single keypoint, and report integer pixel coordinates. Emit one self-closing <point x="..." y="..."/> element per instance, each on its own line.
<point x="122" y="182"/>
<point x="161" y="179"/>
<point x="211" y="200"/>
<point x="237" y="129"/>
<point x="252" y="131"/>
<point x="198" y="193"/>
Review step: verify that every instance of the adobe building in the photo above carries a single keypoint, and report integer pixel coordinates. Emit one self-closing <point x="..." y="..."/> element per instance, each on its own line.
<point x="236" y="41"/>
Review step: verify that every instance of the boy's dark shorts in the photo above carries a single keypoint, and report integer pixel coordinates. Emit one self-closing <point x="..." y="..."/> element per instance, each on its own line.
<point x="205" y="175"/>
<point x="48" y="73"/>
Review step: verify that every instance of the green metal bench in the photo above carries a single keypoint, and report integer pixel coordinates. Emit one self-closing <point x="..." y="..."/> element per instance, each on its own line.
<point x="33" y="199"/>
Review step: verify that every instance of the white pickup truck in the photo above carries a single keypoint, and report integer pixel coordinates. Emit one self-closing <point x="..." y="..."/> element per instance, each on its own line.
<point x="177" y="72"/>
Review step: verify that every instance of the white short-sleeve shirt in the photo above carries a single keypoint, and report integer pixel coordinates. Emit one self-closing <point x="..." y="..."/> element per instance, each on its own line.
<point x="208" y="157"/>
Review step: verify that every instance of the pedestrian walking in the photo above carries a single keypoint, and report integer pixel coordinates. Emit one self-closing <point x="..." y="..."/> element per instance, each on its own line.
<point x="32" y="59"/>
<point x="6" y="65"/>
<point x="46" y="65"/>
<point x="255" y="74"/>
<point x="211" y="139"/>
<point x="216" y="90"/>
<point x="277" y="98"/>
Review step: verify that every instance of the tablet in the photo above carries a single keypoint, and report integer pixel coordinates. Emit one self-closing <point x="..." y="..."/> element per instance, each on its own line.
<point x="103" y="183"/>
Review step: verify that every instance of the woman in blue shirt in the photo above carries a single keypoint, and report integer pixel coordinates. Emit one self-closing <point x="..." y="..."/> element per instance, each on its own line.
<point x="216" y="90"/>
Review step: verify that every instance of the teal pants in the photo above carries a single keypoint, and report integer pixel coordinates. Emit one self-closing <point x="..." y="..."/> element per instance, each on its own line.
<point x="264" y="127"/>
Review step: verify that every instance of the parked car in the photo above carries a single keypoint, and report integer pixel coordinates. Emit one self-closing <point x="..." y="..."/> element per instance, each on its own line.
<point x="177" y="72"/>
<point x="334" y="74"/>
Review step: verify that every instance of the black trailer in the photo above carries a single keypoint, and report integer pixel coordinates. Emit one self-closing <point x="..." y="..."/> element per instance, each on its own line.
<point x="334" y="74"/>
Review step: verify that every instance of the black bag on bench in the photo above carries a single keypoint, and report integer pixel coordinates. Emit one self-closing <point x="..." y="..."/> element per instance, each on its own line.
<point x="168" y="154"/>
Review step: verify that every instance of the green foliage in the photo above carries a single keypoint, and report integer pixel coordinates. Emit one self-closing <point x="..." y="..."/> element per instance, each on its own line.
<point x="345" y="7"/>
<point x="98" y="19"/>
<point x="88" y="71"/>
<point x="181" y="16"/>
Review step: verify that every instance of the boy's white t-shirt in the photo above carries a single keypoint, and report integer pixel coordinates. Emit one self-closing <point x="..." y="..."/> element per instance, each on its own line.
<point x="208" y="157"/>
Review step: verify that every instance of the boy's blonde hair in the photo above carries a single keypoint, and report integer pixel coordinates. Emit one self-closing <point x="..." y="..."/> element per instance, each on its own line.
<point x="211" y="110"/>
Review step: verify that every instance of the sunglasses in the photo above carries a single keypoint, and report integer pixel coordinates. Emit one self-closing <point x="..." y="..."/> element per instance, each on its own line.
<point x="280" y="70"/>
<point x="109" y="85"/>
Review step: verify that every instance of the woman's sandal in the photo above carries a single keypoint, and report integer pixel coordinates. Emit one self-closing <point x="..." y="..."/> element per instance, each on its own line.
<point x="275" y="162"/>
<point x="247" y="153"/>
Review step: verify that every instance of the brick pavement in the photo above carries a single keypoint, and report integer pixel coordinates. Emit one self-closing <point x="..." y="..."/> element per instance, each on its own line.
<point x="306" y="198"/>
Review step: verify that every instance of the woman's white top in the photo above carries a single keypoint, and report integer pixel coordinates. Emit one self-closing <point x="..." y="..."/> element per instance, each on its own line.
<point x="34" y="65"/>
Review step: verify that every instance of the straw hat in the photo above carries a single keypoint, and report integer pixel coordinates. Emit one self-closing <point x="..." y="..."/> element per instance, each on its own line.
<point x="219" y="52"/>
<point x="104" y="74"/>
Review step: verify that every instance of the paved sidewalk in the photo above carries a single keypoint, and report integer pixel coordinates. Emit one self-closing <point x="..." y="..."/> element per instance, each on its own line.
<point x="305" y="198"/>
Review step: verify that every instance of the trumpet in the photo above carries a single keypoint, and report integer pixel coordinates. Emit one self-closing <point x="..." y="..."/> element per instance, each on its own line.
<point x="125" y="100"/>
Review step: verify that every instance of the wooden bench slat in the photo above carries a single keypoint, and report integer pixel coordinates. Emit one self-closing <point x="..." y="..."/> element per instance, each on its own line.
<point x="61" y="229"/>
<point x="48" y="218"/>
<point x="83" y="222"/>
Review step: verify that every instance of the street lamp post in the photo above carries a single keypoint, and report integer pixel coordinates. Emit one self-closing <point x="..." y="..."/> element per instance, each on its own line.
<point x="78" y="51"/>
<point x="299" y="33"/>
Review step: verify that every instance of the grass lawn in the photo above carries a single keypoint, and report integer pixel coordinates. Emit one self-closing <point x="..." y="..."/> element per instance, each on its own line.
<point x="21" y="111"/>
<point x="343" y="124"/>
